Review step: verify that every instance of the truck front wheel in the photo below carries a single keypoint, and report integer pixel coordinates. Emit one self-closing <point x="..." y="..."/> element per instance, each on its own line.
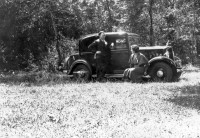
<point x="161" y="72"/>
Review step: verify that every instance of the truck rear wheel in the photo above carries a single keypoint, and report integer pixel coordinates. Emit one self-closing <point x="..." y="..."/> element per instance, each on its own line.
<point x="81" y="73"/>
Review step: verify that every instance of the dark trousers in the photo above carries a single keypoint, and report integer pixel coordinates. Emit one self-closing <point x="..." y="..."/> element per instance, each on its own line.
<point x="101" y="67"/>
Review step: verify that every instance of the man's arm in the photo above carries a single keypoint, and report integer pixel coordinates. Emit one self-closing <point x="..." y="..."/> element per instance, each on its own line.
<point x="130" y="61"/>
<point x="144" y="63"/>
<point x="93" y="46"/>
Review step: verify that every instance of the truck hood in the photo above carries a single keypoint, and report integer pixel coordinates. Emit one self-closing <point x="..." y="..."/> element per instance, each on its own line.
<point x="75" y="54"/>
<point x="154" y="47"/>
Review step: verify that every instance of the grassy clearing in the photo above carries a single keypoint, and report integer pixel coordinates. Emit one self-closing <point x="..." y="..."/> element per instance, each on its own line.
<point x="111" y="109"/>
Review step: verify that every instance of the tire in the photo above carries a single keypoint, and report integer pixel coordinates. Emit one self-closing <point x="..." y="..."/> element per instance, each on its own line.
<point x="81" y="78"/>
<point x="161" y="72"/>
<point x="177" y="76"/>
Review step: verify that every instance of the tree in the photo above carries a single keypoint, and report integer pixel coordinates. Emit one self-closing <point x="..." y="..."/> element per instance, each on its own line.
<point x="30" y="29"/>
<point x="136" y="19"/>
<point x="151" y="42"/>
<point x="34" y="30"/>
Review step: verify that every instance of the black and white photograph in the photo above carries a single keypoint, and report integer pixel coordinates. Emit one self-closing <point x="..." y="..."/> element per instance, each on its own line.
<point x="99" y="68"/>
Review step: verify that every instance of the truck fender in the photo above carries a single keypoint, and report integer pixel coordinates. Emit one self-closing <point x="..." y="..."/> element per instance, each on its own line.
<point x="77" y="62"/>
<point x="161" y="59"/>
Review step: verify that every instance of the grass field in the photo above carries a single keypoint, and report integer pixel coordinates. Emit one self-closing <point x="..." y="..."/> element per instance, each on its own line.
<point x="100" y="110"/>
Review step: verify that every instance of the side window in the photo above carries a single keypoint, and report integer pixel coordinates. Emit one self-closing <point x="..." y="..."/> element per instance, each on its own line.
<point x="121" y="43"/>
<point x="117" y="43"/>
<point x="111" y="42"/>
<point x="86" y="42"/>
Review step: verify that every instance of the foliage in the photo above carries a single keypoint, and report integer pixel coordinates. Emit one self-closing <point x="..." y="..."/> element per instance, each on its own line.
<point x="27" y="33"/>
<point x="32" y="31"/>
<point x="183" y="49"/>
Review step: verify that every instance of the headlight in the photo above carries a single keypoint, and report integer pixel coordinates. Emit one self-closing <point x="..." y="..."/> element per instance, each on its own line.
<point x="169" y="53"/>
<point x="66" y="63"/>
<point x="66" y="59"/>
<point x="178" y="62"/>
<point x="166" y="54"/>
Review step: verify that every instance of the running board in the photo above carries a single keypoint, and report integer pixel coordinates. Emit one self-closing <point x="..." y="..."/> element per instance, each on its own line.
<point x="110" y="76"/>
<point x="107" y="76"/>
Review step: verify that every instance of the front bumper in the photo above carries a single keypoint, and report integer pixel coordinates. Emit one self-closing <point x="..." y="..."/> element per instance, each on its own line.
<point x="179" y="70"/>
<point x="65" y="71"/>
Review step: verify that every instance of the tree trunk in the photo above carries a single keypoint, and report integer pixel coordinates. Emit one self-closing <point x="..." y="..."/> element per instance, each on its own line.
<point x="56" y="39"/>
<point x="151" y="33"/>
<point x="110" y="17"/>
<point x="194" y="49"/>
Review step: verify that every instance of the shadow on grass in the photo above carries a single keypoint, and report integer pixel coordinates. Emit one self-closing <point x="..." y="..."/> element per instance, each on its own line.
<point x="36" y="78"/>
<point x="191" y="68"/>
<point x="43" y="78"/>
<point x="187" y="96"/>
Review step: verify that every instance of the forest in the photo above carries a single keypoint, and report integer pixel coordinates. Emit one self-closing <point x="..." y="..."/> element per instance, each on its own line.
<point x="39" y="34"/>
<point x="39" y="101"/>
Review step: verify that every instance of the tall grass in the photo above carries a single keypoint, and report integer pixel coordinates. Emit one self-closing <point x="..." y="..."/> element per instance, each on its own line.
<point x="34" y="78"/>
<point x="109" y="109"/>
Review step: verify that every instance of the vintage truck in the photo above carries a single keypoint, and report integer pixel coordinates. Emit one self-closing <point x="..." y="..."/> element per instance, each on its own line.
<point x="163" y="65"/>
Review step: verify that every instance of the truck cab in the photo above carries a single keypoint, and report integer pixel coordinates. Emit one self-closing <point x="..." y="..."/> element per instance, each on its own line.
<point x="163" y="65"/>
